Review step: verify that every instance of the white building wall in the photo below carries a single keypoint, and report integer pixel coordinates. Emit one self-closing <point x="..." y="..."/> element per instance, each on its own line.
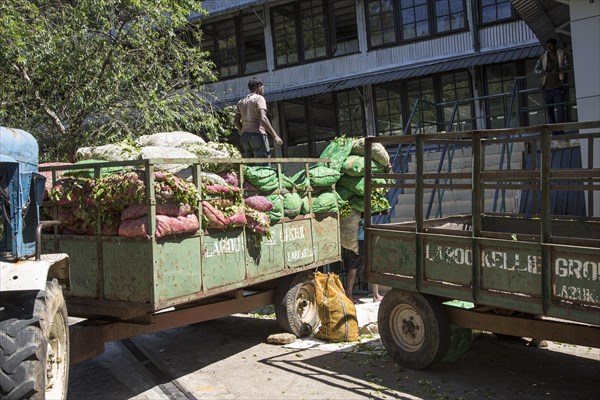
<point x="585" y="31"/>
<point x="502" y="36"/>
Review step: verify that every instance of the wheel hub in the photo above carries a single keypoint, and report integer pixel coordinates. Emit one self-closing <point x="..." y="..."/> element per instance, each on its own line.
<point x="407" y="328"/>
<point x="305" y="303"/>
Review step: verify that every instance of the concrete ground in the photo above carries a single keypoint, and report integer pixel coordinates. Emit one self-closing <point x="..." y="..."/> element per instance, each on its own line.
<point x="229" y="358"/>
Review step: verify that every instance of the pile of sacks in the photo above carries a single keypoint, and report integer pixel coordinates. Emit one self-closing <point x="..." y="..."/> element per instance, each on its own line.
<point x="347" y="157"/>
<point x="118" y="195"/>
<point x="118" y="200"/>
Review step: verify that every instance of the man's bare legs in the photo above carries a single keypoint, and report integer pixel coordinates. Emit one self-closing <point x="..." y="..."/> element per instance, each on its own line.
<point x="350" y="277"/>
<point x="376" y="295"/>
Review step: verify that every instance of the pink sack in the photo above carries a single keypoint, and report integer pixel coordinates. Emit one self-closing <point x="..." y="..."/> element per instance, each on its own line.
<point x="48" y="175"/>
<point x="258" y="222"/>
<point x="231" y="178"/>
<point x="165" y="225"/>
<point x="237" y="218"/>
<point x="171" y="209"/>
<point x="215" y="217"/>
<point x="259" y="203"/>
<point x="221" y="189"/>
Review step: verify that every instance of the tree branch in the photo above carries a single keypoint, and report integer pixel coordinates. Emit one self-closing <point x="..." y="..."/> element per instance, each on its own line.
<point x="55" y="119"/>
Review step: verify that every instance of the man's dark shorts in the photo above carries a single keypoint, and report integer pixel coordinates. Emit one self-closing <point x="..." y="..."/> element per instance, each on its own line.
<point x="352" y="260"/>
<point x="255" y="145"/>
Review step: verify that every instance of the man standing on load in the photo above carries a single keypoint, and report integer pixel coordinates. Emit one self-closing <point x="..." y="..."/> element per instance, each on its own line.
<point x="252" y="121"/>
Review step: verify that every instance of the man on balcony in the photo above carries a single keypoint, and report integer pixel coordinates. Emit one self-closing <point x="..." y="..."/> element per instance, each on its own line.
<point x="551" y="66"/>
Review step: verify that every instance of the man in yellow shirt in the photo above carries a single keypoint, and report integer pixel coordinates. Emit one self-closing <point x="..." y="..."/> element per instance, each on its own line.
<point x="252" y="121"/>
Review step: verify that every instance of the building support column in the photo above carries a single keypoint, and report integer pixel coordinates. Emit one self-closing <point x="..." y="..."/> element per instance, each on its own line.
<point x="585" y="32"/>
<point x="369" y="104"/>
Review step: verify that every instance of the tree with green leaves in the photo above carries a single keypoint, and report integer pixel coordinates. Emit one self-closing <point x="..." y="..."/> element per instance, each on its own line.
<point x="89" y="72"/>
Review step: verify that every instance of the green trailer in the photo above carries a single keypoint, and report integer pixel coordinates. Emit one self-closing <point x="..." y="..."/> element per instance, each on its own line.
<point x="529" y="274"/>
<point x="127" y="286"/>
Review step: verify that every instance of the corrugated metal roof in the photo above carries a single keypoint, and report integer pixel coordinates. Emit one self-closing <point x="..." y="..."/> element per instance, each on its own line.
<point x="544" y="17"/>
<point x="404" y="72"/>
<point x="215" y="7"/>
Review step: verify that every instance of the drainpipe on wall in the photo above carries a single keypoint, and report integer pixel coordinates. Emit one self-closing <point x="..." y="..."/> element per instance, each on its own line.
<point x="475" y="25"/>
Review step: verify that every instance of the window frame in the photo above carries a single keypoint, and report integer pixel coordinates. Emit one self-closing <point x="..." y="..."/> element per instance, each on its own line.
<point x="431" y="23"/>
<point x="239" y="37"/>
<point x="513" y="15"/>
<point x="328" y="9"/>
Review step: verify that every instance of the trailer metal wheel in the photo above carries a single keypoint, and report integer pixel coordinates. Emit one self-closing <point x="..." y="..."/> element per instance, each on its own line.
<point x="414" y="328"/>
<point x="296" y="304"/>
<point x="34" y="344"/>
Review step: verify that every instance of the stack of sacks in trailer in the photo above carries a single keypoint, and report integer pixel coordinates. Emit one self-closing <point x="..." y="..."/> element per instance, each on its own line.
<point x="347" y="157"/>
<point x="118" y="200"/>
<point x="347" y="154"/>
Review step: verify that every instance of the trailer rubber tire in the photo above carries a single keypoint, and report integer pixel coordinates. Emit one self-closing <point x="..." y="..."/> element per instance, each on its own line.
<point x="34" y="344"/>
<point x="414" y="328"/>
<point x="296" y="304"/>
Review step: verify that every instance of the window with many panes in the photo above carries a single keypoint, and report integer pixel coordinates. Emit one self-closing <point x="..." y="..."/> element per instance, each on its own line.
<point x="284" y="34"/>
<point x="457" y="103"/>
<point x="388" y="109"/>
<point x="381" y="20"/>
<point x="393" y="21"/>
<point x="236" y="45"/>
<point x="499" y="81"/>
<point x="414" y="18"/>
<point x="425" y="117"/>
<point x="495" y="10"/>
<point x="344" y="37"/>
<point x="313" y="29"/>
<point x="350" y="113"/>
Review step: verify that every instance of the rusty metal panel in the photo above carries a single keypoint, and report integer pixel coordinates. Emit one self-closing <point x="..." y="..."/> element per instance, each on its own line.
<point x="83" y="256"/>
<point x="394" y="253"/>
<point x="576" y="275"/>
<point x="127" y="268"/>
<point x="177" y="270"/>
<point x="448" y="259"/>
<point x="298" y="243"/>
<point x="514" y="267"/>
<point x="325" y="231"/>
<point x="264" y="256"/>
<point x="223" y="260"/>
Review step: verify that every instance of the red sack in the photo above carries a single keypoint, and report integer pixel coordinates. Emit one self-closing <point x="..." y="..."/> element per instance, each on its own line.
<point x="215" y="217"/>
<point x="231" y="178"/>
<point x="221" y="189"/>
<point x="165" y="225"/>
<point x="237" y="218"/>
<point x="258" y="222"/>
<point x="48" y="175"/>
<point x="259" y="203"/>
<point x="171" y="209"/>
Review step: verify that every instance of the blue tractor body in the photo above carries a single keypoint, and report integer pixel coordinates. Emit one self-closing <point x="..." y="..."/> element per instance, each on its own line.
<point x="21" y="193"/>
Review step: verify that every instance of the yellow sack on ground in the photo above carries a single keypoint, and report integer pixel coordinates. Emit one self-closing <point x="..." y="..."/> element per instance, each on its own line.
<point x="336" y="311"/>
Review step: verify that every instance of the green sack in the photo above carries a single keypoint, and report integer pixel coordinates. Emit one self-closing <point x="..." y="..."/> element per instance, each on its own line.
<point x="378" y="152"/>
<point x="327" y="202"/>
<point x="276" y="214"/>
<point x="265" y="178"/>
<point x="378" y="204"/>
<point x="344" y="192"/>
<point x="323" y="176"/>
<point x="337" y="150"/>
<point x="305" y="209"/>
<point x="292" y="204"/>
<point x="357" y="184"/>
<point x="355" y="166"/>
<point x="324" y="202"/>
<point x="89" y="173"/>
